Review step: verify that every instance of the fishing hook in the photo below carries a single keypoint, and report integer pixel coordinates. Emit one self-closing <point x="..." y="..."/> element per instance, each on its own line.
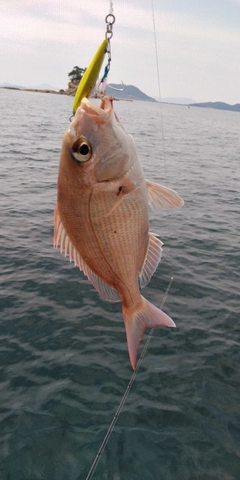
<point x="117" y="89"/>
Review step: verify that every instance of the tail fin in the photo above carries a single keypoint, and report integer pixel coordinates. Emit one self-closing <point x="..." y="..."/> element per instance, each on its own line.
<point x="136" y="319"/>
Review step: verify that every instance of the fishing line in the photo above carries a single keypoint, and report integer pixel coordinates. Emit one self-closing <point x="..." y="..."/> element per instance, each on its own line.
<point x="111" y="7"/>
<point x="125" y="395"/>
<point x="159" y="85"/>
<point x="144" y="350"/>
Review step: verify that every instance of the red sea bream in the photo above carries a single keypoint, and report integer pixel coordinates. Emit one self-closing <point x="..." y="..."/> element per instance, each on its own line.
<point x="101" y="217"/>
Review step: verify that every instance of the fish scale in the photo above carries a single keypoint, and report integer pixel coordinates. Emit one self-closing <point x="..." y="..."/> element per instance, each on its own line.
<point x="119" y="237"/>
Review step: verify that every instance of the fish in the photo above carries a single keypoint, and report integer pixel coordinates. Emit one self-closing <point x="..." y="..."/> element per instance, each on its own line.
<point x="101" y="218"/>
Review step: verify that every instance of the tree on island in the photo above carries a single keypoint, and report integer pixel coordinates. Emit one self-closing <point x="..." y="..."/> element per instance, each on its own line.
<point x="76" y="74"/>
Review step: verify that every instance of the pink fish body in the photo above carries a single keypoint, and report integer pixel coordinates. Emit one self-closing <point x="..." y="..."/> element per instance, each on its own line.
<point x="101" y="217"/>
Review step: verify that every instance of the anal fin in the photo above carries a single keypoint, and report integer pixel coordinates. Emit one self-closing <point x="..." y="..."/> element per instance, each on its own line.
<point x="62" y="239"/>
<point x="152" y="259"/>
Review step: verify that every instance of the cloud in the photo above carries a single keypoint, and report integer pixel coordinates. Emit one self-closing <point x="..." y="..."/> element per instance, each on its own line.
<point x="68" y="22"/>
<point x="31" y="27"/>
<point x="177" y="24"/>
<point x="47" y="38"/>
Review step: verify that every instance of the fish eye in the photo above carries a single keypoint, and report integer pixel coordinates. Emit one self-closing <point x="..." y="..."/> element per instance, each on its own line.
<point x="81" y="150"/>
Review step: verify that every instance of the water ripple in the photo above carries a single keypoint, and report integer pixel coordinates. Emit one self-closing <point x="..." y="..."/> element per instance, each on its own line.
<point x="63" y="356"/>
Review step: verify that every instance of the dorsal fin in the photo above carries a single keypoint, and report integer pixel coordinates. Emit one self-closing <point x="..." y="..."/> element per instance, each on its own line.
<point x="152" y="259"/>
<point x="62" y="239"/>
<point x="162" y="197"/>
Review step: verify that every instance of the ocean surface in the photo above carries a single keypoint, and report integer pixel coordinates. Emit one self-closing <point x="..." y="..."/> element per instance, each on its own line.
<point x="64" y="364"/>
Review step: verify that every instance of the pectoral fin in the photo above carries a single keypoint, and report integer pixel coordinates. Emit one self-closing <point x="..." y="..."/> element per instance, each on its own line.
<point x="119" y="198"/>
<point x="162" y="197"/>
<point x="123" y="188"/>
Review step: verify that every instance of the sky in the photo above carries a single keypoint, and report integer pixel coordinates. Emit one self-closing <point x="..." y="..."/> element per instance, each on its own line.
<point x="197" y="48"/>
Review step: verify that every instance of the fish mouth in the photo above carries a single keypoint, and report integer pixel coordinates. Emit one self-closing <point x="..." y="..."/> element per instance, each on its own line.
<point x="100" y="114"/>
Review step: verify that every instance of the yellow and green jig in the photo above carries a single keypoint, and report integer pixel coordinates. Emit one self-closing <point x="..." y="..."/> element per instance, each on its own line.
<point x="89" y="79"/>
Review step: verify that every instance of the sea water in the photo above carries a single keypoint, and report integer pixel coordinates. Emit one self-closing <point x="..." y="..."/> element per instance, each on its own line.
<point x="64" y="364"/>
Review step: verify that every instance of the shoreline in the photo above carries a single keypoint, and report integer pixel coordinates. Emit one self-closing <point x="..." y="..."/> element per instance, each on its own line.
<point x="60" y="92"/>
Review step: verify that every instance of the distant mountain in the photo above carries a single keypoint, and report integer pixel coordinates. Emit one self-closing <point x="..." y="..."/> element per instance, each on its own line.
<point x="178" y="100"/>
<point x="10" y="85"/>
<point x="42" y="86"/>
<point x="129" y="93"/>
<point x="218" y="106"/>
<point x="45" y="86"/>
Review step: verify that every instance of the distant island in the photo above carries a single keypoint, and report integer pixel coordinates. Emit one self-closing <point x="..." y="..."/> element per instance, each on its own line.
<point x="128" y="92"/>
<point x="218" y="106"/>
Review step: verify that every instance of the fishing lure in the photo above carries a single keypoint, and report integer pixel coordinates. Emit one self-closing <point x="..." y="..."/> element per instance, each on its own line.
<point x="90" y="76"/>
